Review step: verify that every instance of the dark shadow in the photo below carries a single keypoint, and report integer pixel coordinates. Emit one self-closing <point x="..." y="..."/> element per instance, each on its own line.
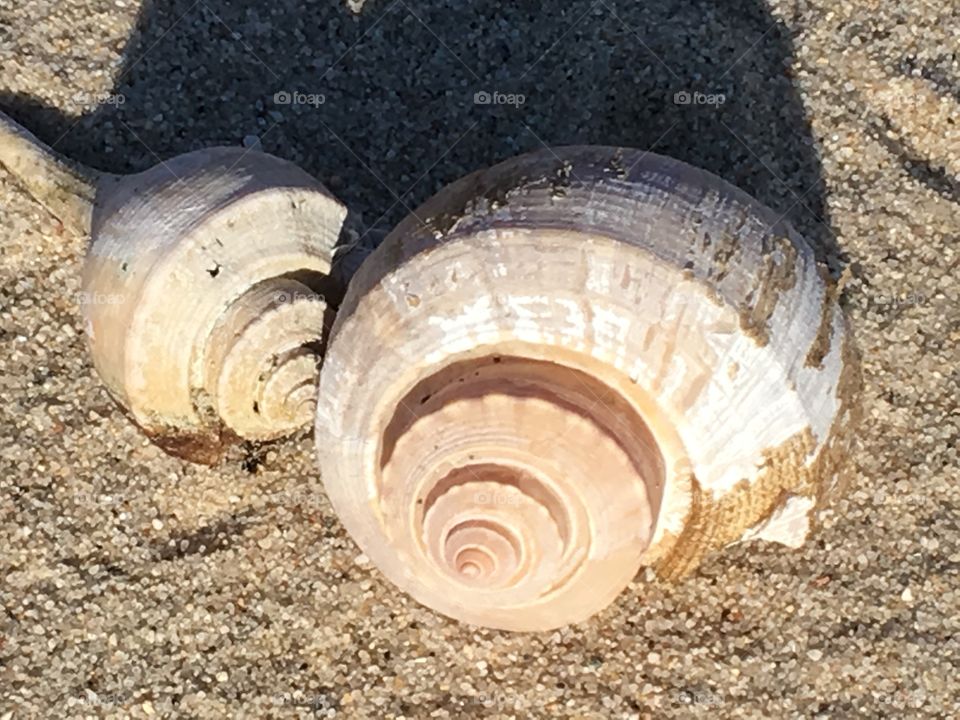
<point x="398" y="83"/>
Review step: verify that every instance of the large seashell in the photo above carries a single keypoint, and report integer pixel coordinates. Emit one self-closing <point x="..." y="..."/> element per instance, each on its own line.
<point x="203" y="289"/>
<point x="577" y="363"/>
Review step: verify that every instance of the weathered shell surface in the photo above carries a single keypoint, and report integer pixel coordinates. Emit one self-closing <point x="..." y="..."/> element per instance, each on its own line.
<point x="571" y="365"/>
<point x="203" y="289"/>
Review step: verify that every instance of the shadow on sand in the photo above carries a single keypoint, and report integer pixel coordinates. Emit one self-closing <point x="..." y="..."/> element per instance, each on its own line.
<point x="387" y="106"/>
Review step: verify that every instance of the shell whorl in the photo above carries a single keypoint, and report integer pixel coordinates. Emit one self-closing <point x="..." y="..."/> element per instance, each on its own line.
<point x="488" y="455"/>
<point x="572" y="364"/>
<point x="204" y="289"/>
<point x="204" y="296"/>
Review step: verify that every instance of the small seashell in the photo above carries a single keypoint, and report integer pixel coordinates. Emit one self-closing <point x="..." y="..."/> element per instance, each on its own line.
<point x="205" y="287"/>
<point x="573" y="365"/>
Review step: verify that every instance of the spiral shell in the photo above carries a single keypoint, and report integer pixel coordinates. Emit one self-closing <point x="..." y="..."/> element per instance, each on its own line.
<point x="574" y="364"/>
<point x="205" y="284"/>
<point x="204" y="289"/>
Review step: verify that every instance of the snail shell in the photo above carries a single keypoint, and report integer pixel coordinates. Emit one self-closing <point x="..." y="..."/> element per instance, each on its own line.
<point x="574" y="364"/>
<point x="203" y="289"/>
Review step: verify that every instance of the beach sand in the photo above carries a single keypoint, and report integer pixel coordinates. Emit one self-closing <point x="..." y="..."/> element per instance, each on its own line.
<point x="138" y="585"/>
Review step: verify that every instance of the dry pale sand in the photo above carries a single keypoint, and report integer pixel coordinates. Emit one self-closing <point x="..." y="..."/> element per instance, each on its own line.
<point x="137" y="585"/>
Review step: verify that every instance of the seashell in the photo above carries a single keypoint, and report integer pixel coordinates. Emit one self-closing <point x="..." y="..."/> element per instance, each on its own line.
<point x="573" y="365"/>
<point x="203" y="288"/>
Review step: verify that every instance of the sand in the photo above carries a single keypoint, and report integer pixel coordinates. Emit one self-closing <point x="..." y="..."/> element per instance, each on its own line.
<point x="137" y="585"/>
